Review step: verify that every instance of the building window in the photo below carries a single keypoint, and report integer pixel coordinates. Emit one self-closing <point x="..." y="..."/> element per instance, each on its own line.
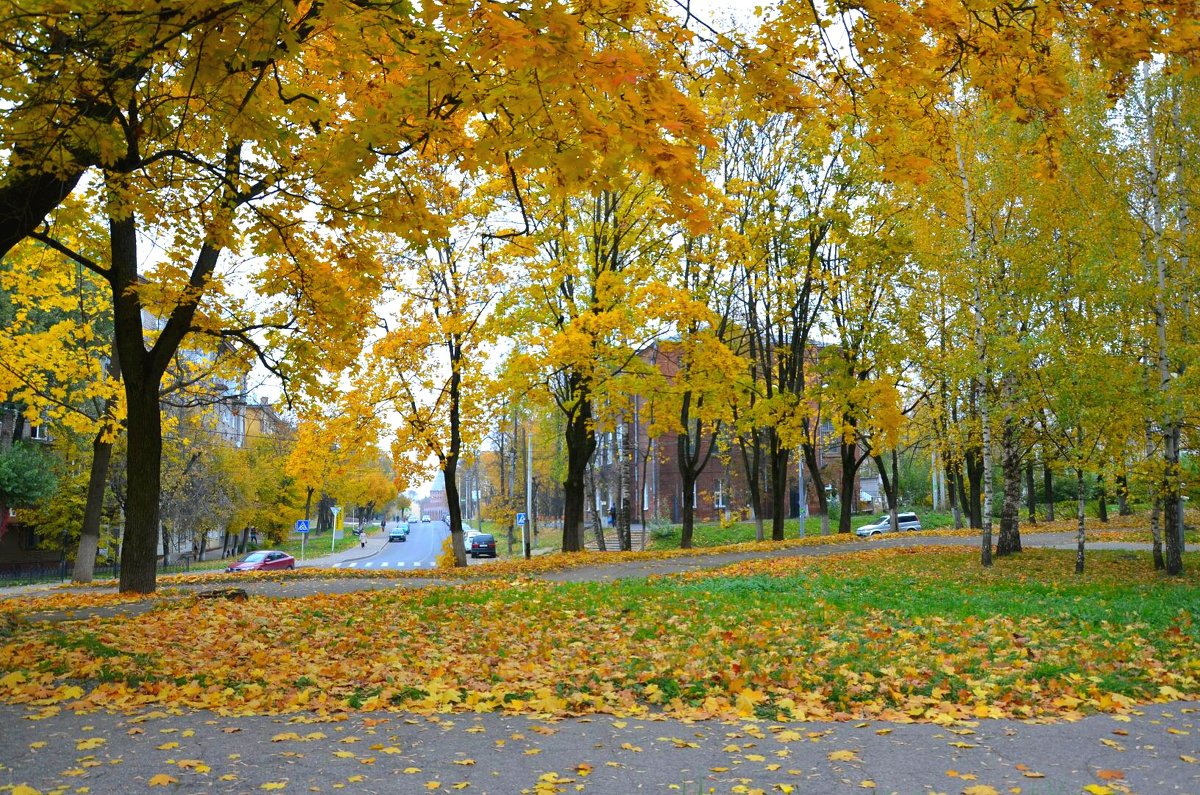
<point x="39" y="432"/>
<point x="719" y="494"/>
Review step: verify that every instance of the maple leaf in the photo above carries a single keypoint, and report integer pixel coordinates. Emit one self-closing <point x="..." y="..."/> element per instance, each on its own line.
<point x="842" y="756"/>
<point x="162" y="780"/>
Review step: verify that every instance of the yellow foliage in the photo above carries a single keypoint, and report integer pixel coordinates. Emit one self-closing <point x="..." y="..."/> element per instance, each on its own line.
<point x="446" y="558"/>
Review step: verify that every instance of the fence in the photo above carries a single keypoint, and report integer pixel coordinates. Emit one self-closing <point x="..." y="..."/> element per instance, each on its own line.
<point x="30" y="573"/>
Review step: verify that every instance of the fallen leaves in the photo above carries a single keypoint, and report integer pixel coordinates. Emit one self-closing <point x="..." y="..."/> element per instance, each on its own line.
<point x="620" y="648"/>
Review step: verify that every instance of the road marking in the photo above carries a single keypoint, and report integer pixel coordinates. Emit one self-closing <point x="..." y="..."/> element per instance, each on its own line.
<point x="384" y="563"/>
<point x="351" y="564"/>
<point x="368" y="564"/>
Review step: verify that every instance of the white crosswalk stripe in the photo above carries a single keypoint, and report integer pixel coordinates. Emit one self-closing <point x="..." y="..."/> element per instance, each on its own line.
<point x="351" y="564"/>
<point x="383" y="563"/>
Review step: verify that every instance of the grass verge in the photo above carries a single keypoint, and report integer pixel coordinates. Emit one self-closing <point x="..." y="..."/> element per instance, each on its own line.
<point x="902" y="635"/>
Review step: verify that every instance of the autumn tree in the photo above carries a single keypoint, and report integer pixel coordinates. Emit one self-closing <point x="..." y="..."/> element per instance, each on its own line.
<point x="57" y="360"/>
<point x="1162" y="117"/>
<point x="430" y="365"/>
<point x="238" y="129"/>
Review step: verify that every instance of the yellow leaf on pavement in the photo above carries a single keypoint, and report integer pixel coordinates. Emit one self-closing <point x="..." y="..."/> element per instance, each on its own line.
<point x="843" y="756"/>
<point x="163" y="780"/>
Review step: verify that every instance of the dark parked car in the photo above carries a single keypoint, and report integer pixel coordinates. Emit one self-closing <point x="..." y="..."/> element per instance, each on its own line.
<point x="483" y="544"/>
<point x="399" y="532"/>
<point x="264" y="560"/>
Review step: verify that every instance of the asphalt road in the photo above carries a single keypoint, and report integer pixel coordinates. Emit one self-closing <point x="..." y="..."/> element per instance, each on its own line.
<point x="1151" y="752"/>
<point x="420" y="551"/>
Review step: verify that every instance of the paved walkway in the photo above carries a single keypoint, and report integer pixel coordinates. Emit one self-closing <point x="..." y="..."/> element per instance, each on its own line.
<point x="1152" y="752"/>
<point x="631" y="569"/>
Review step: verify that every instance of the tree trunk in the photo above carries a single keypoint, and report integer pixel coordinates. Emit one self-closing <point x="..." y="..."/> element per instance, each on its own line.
<point x="581" y="444"/>
<point x="454" y="451"/>
<point x="809" y="451"/>
<point x="143" y="486"/>
<point x="895" y="490"/>
<point x="1101" y="500"/>
<point x="1160" y="562"/>
<point x="985" y="555"/>
<point x="1171" y="503"/>
<point x="954" y="479"/>
<point x="687" y="483"/>
<point x="93" y="511"/>
<point x="454" y="506"/>
<point x="849" y="456"/>
<point x="28" y="197"/>
<point x="1031" y="494"/>
<point x="625" y="467"/>
<point x="1080" y="517"/>
<point x="778" y="465"/>
<point x="974" y="494"/>
<point x="1010" y="510"/>
<point x="593" y="499"/>
<point x="1123" y="508"/>
<point x="1048" y="488"/>
<point x="752" y="463"/>
<point x="889" y="483"/>
<point x="89" y="537"/>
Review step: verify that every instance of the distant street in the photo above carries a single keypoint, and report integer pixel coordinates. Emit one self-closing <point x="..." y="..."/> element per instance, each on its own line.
<point x="420" y="551"/>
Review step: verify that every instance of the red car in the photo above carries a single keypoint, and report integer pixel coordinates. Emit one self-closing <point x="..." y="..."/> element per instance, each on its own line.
<point x="264" y="560"/>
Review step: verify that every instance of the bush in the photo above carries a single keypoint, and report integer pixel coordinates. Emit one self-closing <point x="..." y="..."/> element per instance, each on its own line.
<point x="26" y="477"/>
<point x="445" y="560"/>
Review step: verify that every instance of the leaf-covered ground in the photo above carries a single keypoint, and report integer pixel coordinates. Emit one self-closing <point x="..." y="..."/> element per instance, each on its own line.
<point x="904" y="635"/>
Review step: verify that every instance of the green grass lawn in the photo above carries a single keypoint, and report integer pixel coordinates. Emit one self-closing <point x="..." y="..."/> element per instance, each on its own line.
<point x="712" y="534"/>
<point x="914" y="634"/>
<point x="315" y="546"/>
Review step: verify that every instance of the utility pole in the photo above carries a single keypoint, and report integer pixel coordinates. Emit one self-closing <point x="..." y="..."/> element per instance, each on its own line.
<point x="525" y="530"/>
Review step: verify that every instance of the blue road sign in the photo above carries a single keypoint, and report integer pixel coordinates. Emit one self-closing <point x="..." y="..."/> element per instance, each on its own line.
<point x="301" y="525"/>
<point x="521" y="519"/>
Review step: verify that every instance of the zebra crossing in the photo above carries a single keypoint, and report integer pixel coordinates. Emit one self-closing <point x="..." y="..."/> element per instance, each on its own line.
<point x="421" y="564"/>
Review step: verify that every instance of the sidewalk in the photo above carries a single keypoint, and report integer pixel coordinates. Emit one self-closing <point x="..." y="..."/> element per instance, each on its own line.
<point x="1151" y="751"/>
<point x="313" y="556"/>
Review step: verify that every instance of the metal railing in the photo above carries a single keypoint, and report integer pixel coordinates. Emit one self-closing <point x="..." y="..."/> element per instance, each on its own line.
<point x="29" y="573"/>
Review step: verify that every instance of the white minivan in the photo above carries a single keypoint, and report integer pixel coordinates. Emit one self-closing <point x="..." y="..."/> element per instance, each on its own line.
<point x="904" y="521"/>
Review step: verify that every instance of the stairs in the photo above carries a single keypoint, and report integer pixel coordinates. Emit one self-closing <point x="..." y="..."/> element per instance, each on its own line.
<point x="637" y="533"/>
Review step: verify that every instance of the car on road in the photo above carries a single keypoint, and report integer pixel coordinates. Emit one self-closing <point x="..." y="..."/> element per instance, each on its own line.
<point x="426" y="518"/>
<point x="398" y="533"/>
<point x="904" y="521"/>
<point x="263" y="560"/>
<point x="483" y="544"/>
